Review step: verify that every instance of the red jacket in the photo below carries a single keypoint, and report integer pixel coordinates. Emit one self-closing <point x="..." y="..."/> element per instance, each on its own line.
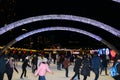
<point x="66" y="63"/>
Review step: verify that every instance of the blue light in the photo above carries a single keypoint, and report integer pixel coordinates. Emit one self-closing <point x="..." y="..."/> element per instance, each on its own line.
<point x="104" y="51"/>
<point x="107" y="51"/>
<point x="100" y="51"/>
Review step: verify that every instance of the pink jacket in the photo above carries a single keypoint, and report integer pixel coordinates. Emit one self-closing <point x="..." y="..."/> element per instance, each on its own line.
<point x="42" y="69"/>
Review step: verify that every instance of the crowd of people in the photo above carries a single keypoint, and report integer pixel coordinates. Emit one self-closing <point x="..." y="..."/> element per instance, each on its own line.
<point x="39" y="64"/>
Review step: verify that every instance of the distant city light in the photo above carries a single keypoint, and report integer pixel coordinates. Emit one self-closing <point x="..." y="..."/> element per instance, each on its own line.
<point x="59" y="28"/>
<point x="107" y="51"/>
<point x="24" y="29"/>
<point x="66" y="29"/>
<point x="113" y="53"/>
<point x="62" y="17"/>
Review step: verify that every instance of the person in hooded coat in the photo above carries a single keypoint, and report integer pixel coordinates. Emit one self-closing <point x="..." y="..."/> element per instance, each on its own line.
<point x="96" y="64"/>
<point x="85" y="70"/>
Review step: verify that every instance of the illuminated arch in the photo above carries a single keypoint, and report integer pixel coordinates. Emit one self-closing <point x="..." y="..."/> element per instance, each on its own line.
<point x="118" y="1"/>
<point x="62" y="17"/>
<point x="59" y="28"/>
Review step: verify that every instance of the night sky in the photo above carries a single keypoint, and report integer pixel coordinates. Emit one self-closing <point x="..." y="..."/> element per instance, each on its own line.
<point x="105" y="11"/>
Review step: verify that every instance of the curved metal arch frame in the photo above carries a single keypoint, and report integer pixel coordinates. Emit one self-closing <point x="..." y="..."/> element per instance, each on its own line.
<point x="61" y="17"/>
<point x="98" y="38"/>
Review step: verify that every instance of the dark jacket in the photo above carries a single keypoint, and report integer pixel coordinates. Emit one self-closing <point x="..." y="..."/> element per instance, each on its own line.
<point x="2" y="64"/>
<point x="25" y="64"/>
<point x="85" y="70"/>
<point x="104" y="61"/>
<point x="66" y="63"/>
<point x="77" y="65"/>
<point x="95" y="63"/>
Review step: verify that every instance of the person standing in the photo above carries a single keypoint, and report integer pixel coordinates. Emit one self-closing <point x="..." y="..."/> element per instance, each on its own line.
<point x="42" y="69"/>
<point x="24" y="66"/>
<point x="66" y="64"/>
<point x="96" y="64"/>
<point x="77" y="67"/>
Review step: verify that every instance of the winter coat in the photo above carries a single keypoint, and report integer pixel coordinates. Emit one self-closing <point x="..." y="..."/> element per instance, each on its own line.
<point x="77" y="65"/>
<point x="2" y="64"/>
<point x="42" y="69"/>
<point x="96" y="64"/>
<point x="66" y="63"/>
<point x="85" y="70"/>
<point x="25" y="64"/>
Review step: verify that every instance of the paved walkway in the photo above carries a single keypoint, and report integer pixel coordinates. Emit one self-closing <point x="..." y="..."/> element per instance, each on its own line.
<point x="58" y="74"/>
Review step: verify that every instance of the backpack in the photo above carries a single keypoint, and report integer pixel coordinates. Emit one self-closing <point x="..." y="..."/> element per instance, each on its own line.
<point x="113" y="70"/>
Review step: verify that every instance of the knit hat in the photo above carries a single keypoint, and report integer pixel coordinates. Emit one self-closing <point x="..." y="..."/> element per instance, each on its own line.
<point x="44" y="60"/>
<point x="26" y="57"/>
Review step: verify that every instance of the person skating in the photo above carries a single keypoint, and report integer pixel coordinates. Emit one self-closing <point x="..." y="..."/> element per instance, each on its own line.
<point x="77" y="67"/>
<point x="66" y="64"/>
<point x="43" y="69"/>
<point x="10" y="67"/>
<point x="85" y="70"/>
<point x="24" y="66"/>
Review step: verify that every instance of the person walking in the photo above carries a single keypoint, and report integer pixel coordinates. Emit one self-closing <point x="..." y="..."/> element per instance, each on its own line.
<point x="77" y="67"/>
<point x="24" y="66"/>
<point x="66" y="64"/>
<point x="85" y="70"/>
<point x="96" y="64"/>
<point x="43" y="69"/>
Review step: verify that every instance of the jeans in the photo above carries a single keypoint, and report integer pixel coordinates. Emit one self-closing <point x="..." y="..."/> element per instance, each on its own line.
<point x="41" y="78"/>
<point x="105" y="68"/>
<point x="76" y="74"/>
<point x="59" y="66"/>
<point x="96" y="74"/>
<point x="66" y="72"/>
<point x="1" y="76"/>
<point x="24" y="71"/>
<point x="9" y="75"/>
<point x="85" y="78"/>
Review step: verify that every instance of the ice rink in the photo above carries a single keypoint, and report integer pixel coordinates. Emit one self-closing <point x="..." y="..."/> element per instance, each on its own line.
<point x="58" y="74"/>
